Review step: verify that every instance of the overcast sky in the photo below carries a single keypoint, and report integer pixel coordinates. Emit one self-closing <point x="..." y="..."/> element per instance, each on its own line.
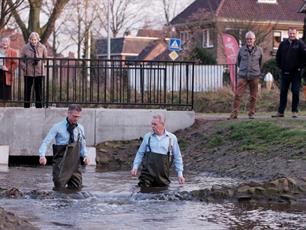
<point x="155" y="13"/>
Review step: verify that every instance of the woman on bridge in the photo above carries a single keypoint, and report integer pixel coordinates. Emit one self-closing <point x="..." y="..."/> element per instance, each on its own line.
<point x="8" y="65"/>
<point x="33" y="67"/>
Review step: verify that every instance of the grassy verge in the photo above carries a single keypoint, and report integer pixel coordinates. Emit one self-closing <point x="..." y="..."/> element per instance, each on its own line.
<point x="259" y="136"/>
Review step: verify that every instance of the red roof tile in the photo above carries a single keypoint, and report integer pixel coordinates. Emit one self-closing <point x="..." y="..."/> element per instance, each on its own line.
<point x="284" y="10"/>
<point x="196" y="7"/>
<point x="150" y="33"/>
<point x="132" y="45"/>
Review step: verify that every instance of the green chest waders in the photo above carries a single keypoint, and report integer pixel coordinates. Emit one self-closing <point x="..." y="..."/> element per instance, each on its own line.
<point x="66" y="162"/>
<point x="155" y="168"/>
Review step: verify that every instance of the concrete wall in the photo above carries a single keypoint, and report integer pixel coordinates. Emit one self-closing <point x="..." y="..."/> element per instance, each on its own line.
<point x="23" y="129"/>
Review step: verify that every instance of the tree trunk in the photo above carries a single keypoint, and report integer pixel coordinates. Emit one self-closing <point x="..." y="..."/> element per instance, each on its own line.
<point x="34" y="19"/>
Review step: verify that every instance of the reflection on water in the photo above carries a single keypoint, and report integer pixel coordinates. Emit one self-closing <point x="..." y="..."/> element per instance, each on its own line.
<point x="108" y="202"/>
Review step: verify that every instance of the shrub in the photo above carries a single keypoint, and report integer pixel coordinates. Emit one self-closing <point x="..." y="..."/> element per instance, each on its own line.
<point x="203" y="56"/>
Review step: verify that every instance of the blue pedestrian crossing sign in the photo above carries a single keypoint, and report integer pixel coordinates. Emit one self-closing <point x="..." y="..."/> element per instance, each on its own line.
<point x="174" y="44"/>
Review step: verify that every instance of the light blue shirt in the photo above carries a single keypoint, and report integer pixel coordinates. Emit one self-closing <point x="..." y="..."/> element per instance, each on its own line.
<point x="160" y="145"/>
<point x="60" y="134"/>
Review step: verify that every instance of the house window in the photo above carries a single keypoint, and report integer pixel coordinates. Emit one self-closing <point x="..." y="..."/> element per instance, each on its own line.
<point x="207" y="39"/>
<point x="277" y="38"/>
<point x="267" y="1"/>
<point x="184" y="36"/>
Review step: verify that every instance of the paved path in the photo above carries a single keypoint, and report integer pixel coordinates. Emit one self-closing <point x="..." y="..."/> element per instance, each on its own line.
<point x="263" y="116"/>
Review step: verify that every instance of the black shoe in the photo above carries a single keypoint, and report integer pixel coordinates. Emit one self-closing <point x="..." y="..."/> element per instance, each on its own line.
<point x="278" y="115"/>
<point x="232" y="117"/>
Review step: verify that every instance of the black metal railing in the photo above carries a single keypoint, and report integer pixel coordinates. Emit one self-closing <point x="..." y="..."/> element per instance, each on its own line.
<point x="103" y="83"/>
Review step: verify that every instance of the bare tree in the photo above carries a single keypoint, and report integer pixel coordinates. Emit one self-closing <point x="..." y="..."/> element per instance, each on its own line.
<point x="34" y="20"/>
<point x="124" y="15"/>
<point x="169" y="8"/>
<point x="6" y="11"/>
<point x="79" y="24"/>
<point x="58" y="39"/>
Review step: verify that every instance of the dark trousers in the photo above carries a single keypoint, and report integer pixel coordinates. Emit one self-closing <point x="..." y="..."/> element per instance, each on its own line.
<point x="155" y="170"/>
<point x="293" y="78"/>
<point x="5" y="90"/>
<point x="66" y="171"/>
<point x="38" y="89"/>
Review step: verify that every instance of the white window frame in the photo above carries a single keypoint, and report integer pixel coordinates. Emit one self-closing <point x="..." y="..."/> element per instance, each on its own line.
<point x="279" y="33"/>
<point x="267" y="1"/>
<point x="207" y="41"/>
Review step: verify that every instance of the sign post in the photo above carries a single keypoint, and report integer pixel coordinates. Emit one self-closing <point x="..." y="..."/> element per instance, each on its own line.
<point x="174" y="45"/>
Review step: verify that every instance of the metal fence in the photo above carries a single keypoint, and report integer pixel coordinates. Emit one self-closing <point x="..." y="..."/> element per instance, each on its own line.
<point x="115" y="83"/>
<point x="103" y="83"/>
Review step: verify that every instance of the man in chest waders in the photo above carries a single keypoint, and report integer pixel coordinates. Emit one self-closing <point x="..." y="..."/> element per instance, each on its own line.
<point x="69" y="148"/>
<point x="156" y="152"/>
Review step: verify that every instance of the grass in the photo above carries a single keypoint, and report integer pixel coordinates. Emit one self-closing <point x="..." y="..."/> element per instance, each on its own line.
<point x="260" y="135"/>
<point x="215" y="141"/>
<point x="183" y="143"/>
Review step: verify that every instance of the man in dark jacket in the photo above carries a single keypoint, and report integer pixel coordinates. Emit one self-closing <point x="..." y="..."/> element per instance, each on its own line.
<point x="290" y="58"/>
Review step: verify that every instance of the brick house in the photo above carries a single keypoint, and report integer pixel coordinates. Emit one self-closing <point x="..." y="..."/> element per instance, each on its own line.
<point x="148" y="44"/>
<point x="128" y="47"/>
<point x="203" y="23"/>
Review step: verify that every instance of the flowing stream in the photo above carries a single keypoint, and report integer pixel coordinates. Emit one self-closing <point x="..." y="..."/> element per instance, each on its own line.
<point x="108" y="201"/>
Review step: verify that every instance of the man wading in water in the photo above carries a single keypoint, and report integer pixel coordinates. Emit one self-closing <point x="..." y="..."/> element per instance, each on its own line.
<point x="155" y="153"/>
<point x="70" y="147"/>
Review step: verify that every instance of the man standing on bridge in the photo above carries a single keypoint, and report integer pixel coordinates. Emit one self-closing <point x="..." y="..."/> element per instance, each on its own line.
<point x="70" y="147"/>
<point x="156" y="152"/>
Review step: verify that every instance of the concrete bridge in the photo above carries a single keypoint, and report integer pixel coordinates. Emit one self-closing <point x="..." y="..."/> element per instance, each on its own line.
<point x="22" y="130"/>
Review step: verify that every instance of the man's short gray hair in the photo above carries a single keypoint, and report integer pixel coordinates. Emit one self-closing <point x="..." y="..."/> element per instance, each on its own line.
<point x="250" y="34"/>
<point x="160" y="117"/>
<point x="74" y="107"/>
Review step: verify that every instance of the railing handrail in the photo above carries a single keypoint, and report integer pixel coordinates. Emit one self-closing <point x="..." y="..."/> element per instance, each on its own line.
<point x="94" y="82"/>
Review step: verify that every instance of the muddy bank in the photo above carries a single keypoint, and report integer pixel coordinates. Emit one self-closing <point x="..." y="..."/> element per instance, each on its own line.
<point x="215" y="146"/>
<point x="9" y="220"/>
<point x="116" y="155"/>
